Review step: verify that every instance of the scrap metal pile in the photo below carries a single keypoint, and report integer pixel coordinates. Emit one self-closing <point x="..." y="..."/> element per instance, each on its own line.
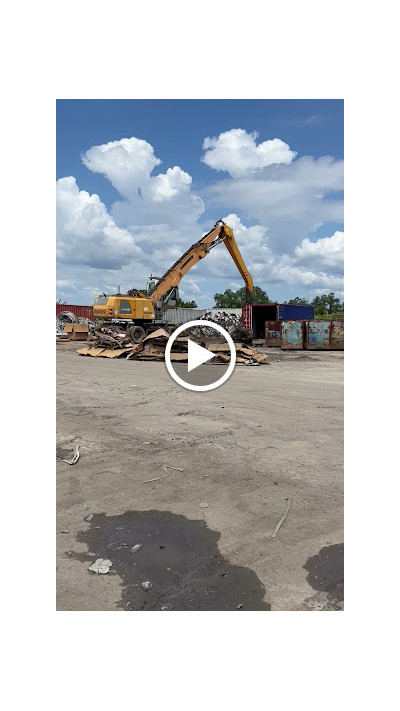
<point x="153" y="348"/>
<point x="232" y="323"/>
<point x="68" y="317"/>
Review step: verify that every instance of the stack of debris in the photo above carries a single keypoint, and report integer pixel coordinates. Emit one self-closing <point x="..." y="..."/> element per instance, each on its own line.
<point x="230" y="322"/>
<point x="67" y="317"/>
<point x="109" y="338"/>
<point x="153" y="348"/>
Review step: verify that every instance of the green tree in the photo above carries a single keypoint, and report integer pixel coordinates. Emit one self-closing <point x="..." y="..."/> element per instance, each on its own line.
<point x="297" y="301"/>
<point x="235" y="299"/>
<point x="327" y="304"/>
<point x="186" y="304"/>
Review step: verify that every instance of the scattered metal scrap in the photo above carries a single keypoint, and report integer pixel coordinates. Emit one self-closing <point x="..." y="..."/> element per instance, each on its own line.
<point x="74" y="457"/>
<point x="280" y="522"/>
<point x="157" y="478"/>
<point x="68" y="317"/>
<point x="101" y="565"/>
<point x="136" y="548"/>
<point x="232" y="323"/>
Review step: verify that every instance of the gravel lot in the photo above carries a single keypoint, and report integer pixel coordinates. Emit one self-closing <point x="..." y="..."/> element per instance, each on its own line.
<point x="270" y="434"/>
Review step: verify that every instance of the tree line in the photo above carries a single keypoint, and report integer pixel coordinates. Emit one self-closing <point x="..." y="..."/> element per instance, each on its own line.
<point x="325" y="305"/>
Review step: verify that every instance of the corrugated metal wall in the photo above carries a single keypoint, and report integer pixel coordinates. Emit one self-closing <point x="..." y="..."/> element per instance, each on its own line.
<point x="79" y="311"/>
<point x="292" y="312"/>
<point x="183" y="315"/>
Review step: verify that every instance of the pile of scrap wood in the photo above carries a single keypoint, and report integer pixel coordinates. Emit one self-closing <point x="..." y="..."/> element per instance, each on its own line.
<point x="244" y="354"/>
<point x="153" y="348"/>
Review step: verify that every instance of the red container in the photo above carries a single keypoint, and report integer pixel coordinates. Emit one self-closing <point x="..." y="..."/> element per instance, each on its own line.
<point x="273" y="334"/>
<point x="79" y="311"/>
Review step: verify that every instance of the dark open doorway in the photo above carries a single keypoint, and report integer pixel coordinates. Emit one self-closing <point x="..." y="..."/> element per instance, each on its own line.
<point x="261" y="314"/>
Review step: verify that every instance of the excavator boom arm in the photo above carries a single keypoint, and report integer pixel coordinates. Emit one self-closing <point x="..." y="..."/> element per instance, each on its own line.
<point x="233" y="249"/>
<point x="220" y="233"/>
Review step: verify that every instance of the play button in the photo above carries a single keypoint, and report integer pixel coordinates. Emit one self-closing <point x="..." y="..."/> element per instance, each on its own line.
<point x="198" y="355"/>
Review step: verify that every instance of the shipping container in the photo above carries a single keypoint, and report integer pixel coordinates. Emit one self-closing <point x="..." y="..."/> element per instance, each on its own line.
<point x="292" y="335"/>
<point x="79" y="311"/>
<point x="324" y="334"/>
<point x="273" y="334"/>
<point x="291" y="312"/>
<point x="255" y="315"/>
<point x="182" y="315"/>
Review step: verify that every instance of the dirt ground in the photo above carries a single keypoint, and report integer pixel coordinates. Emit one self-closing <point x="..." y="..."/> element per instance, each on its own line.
<point x="226" y="464"/>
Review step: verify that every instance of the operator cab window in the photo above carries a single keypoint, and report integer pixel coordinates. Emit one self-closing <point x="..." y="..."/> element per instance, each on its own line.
<point x="124" y="307"/>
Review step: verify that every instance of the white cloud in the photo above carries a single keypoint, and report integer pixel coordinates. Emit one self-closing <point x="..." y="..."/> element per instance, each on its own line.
<point x="272" y="209"/>
<point x="267" y="268"/>
<point x="86" y="234"/>
<point x="65" y="284"/>
<point x="327" y="251"/>
<point x="126" y="163"/>
<point x="289" y="200"/>
<point x="165" y="198"/>
<point x="237" y="152"/>
<point x="170" y="184"/>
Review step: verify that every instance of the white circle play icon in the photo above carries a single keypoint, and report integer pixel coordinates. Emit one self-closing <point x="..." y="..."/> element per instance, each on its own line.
<point x="197" y="355"/>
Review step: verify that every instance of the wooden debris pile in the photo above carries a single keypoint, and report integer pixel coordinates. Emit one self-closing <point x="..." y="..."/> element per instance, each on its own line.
<point x="154" y="345"/>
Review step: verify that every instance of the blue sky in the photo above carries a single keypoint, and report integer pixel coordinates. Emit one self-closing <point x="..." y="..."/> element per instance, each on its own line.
<point x="285" y="199"/>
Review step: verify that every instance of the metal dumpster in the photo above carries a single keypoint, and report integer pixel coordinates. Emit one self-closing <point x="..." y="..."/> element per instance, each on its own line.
<point x="324" y="335"/>
<point x="292" y="335"/>
<point x="273" y="334"/>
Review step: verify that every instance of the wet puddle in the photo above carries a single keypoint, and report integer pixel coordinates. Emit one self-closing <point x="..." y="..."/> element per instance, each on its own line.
<point x="179" y="557"/>
<point x="326" y="574"/>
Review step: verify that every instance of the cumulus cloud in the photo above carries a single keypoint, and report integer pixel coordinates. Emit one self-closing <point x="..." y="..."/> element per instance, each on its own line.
<point x="267" y="268"/>
<point x="289" y="200"/>
<point x="327" y="251"/>
<point x="170" y="184"/>
<point x="238" y="153"/>
<point x="126" y="163"/>
<point x="86" y="234"/>
<point x="165" y="198"/>
<point x="272" y="202"/>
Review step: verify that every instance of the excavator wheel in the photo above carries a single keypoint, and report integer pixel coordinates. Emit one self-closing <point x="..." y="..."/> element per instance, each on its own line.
<point x="136" y="334"/>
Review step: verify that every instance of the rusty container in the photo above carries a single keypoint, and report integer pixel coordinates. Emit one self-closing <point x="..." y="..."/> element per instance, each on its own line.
<point x="79" y="311"/>
<point x="324" y="335"/>
<point x="292" y="335"/>
<point x="273" y="334"/>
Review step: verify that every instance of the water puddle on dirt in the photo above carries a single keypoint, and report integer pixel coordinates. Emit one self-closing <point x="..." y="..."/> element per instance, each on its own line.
<point x="179" y="557"/>
<point x="326" y="574"/>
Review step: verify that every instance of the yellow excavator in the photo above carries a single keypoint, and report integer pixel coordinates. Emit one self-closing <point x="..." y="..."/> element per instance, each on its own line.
<point x="138" y="314"/>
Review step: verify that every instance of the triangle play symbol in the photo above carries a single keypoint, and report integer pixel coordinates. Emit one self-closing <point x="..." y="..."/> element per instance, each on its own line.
<point x="197" y="355"/>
